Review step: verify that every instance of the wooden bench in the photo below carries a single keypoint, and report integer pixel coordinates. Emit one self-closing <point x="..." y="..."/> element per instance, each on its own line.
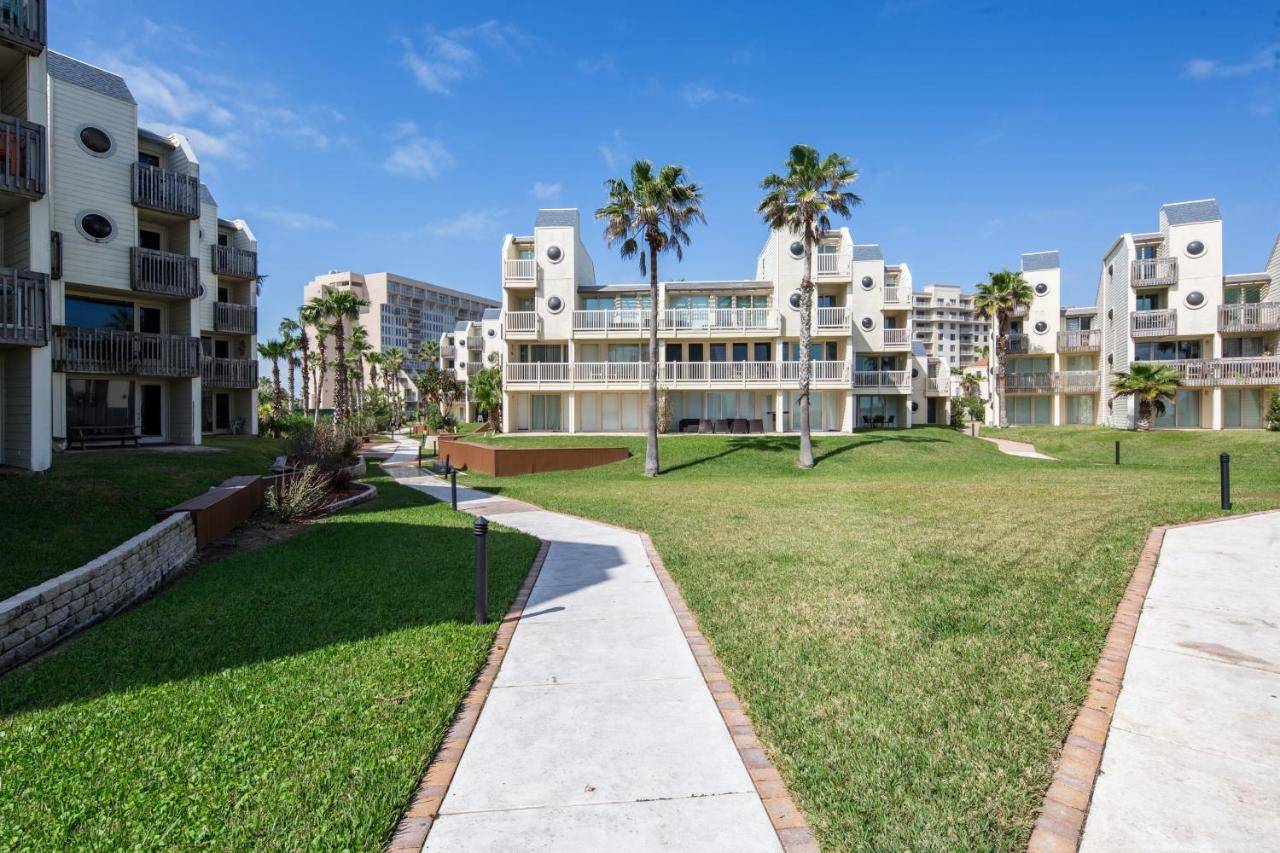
<point x="96" y="434"/>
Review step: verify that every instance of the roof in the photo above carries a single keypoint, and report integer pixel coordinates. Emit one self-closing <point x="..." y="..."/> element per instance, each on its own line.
<point x="867" y="252"/>
<point x="461" y="326"/>
<point x="91" y="77"/>
<point x="154" y="138"/>
<point x="1246" y="278"/>
<point x="558" y="217"/>
<point x="1033" y="261"/>
<point x="754" y="284"/>
<point x="1148" y="237"/>
<point x="1080" y="311"/>
<point x="491" y="314"/>
<point x="1183" y="212"/>
<point x="611" y="288"/>
<point x="206" y="197"/>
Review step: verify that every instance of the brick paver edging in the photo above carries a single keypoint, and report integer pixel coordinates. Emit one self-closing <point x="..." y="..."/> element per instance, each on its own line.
<point x="788" y="821"/>
<point x="411" y="831"/>
<point x="1060" y="824"/>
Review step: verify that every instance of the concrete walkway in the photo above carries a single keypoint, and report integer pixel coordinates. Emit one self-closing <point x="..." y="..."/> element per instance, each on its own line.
<point x="600" y="732"/>
<point x="1017" y="448"/>
<point x="1193" y="755"/>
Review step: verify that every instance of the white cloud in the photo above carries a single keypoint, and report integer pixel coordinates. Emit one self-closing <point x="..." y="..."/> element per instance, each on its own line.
<point x="473" y="223"/>
<point x="614" y="151"/>
<point x="415" y="155"/>
<point x="1267" y="59"/>
<point x="448" y="57"/>
<point x="293" y="219"/>
<point x="696" y="94"/>
<point x="545" y="191"/>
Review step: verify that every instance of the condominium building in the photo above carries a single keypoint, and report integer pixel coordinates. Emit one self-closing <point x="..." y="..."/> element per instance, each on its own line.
<point x="1165" y="297"/>
<point x="402" y="313"/>
<point x="576" y="354"/>
<point x="127" y="306"/>
<point x="471" y="346"/>
<point x="946" y="325"/>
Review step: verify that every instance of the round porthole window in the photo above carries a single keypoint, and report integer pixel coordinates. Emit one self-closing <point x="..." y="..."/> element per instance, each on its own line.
<point x="97" y="227"/>
<point x="915" y="373"/>
<point x="794" y="299"/>
<point x="868" y="282"/>
<point x="1110" y="360"/>
<point x="491" y="332"/>
<point x="1195" y="249"/>
<point x="1110" y="314"/>
<point x="554" y="304"/>
<point x="1195" y="299"/>
<point x="1041" y="289"/>
<point x="867" y="324"/>
<point x="95" y="140"/>
<point x="915" y="407"/>
<point x="1041" y="327"/>
<point x="554" y="254"/>
<point x="1111" y="269"/>
<point x="796" y="248"/>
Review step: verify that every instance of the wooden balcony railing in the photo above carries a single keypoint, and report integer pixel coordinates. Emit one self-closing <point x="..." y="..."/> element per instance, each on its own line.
<point x="1254" y="317"/>
<point x="1151" y="324"/>
<point x="22" y="157"/>
<point x="1040" y="383"/>
<point x="23" y="23"/>
<point x="79" y="350"/>
<point x="231" y="262"/>
<point x="164" y="273"/>
<point x="1153" y="272"/>
<point x="519" y="269"/>
<point x="1260" y="370"/>
<point x="229" y="372"/>
<point x="24" y="308"/>
<point x="1080" y="340"/>
<point x="169" y="192"/>
<point x="1078" y="380"/>
<point x="520" y="322"/>
<point x="234" y="318"/>
<point x="896" y="338"/>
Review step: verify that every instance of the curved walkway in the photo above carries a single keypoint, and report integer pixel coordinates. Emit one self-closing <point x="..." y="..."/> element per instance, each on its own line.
<point x="601" y="730"/>
<point x="1017" y="448"/>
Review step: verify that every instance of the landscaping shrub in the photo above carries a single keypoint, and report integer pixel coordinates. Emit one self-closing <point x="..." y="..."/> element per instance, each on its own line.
<point x="977" y="409"/>
<point x="331" y="450"/>
<point x="957" y="412"/>
<point x="1273" y="412"/>
<point x="300" y="497"/>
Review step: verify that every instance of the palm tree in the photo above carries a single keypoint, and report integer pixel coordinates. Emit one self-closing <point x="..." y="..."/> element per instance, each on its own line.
<point x="429" y="352"/>
<point x="801" y="203"/>
<point x="970" y="383"/>
<point x="312" y="365"/>
<point x="358" y="344"/>
<point x="374" y="360"/>
<point x="323" y="330"/>
<point x="274" y="351"/>
<point x="1152" y="385"/>
<point x="487" y="391"/>
<point x="342" y="306"/>
<point x="392" y="361"/>
<point x="290" y="336"/>
<point x="654" y="210"/>
<point x="1000" y="298"/>
<point x="309" y="316"/>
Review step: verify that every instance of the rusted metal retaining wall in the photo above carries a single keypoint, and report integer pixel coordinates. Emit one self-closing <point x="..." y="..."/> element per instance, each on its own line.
<point x="499" y="461"/>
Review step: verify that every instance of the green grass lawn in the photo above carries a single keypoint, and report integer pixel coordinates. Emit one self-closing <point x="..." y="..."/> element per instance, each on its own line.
<point x="89" y="503"/>
<point x="912" y="624"/>
<point x="281" y="699"/>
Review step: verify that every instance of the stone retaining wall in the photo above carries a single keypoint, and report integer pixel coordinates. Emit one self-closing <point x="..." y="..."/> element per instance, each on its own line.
<point x="35" y="619"/>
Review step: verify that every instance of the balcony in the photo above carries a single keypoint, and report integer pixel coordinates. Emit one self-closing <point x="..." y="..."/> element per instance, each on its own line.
<point x="24" y="308"/>
<point x="938" y="385"/>
<point x="474" y="341"/>
<point x="1076" y="381"/>
<point x="164" y="273"/>
<point x="733" y="373"/>
<point x="1029" y="383"/>
<point x="235" y="319"/>
<point x="611" y="372"/>
<point x="537" y="373"/>
<point x="1249" y="371"/>
<point x="1080" y="340"/>
<point x="23" y="25"/>
<point x="22" y="157"/>
<point x="229" y="372"/>
<point x="519" y="269"/>
<point x="1153" y="324"/>
<point x="1153" y="272"/>
<point x="833" y="318"/>
<point x="167" y="192"/>
<point x="521" y="323"/>
<point x="78" y="350"/>
<point x="897" y="297"/>
<point x="820" y="372"/>
<point x="1255" y="317"/>
<point x="882" y="380"/>
<point x="897" y="339"/>
<point x="230" y="262"/>
<point x="603" y="322"/>
<point x="827" y="265"/>
<point x="718" y="319"/>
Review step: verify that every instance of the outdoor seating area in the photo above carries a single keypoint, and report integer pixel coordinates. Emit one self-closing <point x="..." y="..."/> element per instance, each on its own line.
<point x="102" y="434"/>
<point x="874" y="421"/>
<point x="722" y="426"/>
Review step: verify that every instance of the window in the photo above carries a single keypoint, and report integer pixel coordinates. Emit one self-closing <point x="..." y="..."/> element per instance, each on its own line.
<point x="1080" y="409"/>
<point x="149" y="239"/>
<point x="99" y="402"/>
<point x="1183" y="412"/>
<point x="717" y="352"/>
<point x="739" y="351"/>
<point x="1166" y="350"/>
<point x="1242" y="347"/>
<point x="95" y="140"/>
<point x="224" y="295"/>
<point x="222" y="349"/>
<point x="1145" y="253"/>
<point x="148" y="159"/>
<point x="695" y="352"/>
<point x="673" y="352"/>
<point x="95" y="226"/>
<point x="1149" y="301"/>
<point x="546" y="412"/>
<point x="98" y="313"/>
<point x="763" y="351"/>
<point x="1248" y="295"/>
<point x="149" y="319"/>
<point x="1242" y="409"/>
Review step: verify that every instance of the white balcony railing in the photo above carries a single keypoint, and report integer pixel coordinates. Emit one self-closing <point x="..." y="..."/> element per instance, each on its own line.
<point x="1262" y="370"/>
<point x="1080" y="340"/>
<point x="1149" y="324"/>
<point x="611" y="372"/>
<point x="1253" y="317"/>
<point x="1078" y="380"/>
<point x="892" y="295"/>
<point x="522" y="322"/>
<point x="896" y="379"/>
<point x="939" y="385"/>
<point x="610" y="321"/>
<point x="828" y="264"/>
<point x="539" y="373"/>
<point x="718" y="319"/>
<point x="519" y="269"/>
<point x="819" y="371"/>
<point x="897" y="338"/>
<point x="1153" y="272"/>
<point x="1039" y="383"/>
<point x="833" y="318"/>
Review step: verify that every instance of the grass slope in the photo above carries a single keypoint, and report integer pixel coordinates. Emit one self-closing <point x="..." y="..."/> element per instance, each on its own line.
<point x="87" y="504"/>
<point x="280" y="699"/>
<point x="913" y="623"/>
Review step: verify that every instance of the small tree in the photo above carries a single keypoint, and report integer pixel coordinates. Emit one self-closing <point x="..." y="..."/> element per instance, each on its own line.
<point x="486" y="388"/>
<point x="1273" y="412"/>
<point x="1152" y="385"/>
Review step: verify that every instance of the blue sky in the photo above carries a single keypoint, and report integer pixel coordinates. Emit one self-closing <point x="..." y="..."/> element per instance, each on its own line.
<point x="411" y="136"/>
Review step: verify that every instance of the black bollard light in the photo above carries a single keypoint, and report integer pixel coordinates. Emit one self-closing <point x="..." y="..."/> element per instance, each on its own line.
<point x="1117" y="451"/>
<point x="453" y="488"/>
<point x="1224" y="467"/>
<point x="481" y="530"/>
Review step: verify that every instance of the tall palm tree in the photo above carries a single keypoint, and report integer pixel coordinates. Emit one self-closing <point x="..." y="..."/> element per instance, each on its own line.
<point x="429" y="352"/>
<point x="1152" y="385"/>
<point x="374" y="359"/>
<point x="801" y="203"/>
<point x="343" y="307"/>
<point x="392" y="363"/>
<point x="487" y="392"/>
<point x="324" y="329"/>
<point x="309" y="316"/>
<point x="358" y="347"/>
<point x="311" y="365"/>
<point x="970" y="384"/>
<point x="999" y="298"/>
<point x="291" y="337"/>
<point x="274" y="350"/>
<point x="653" y="210"/>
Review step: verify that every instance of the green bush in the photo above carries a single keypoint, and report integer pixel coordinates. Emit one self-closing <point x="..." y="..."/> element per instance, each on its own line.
<point x="329" y="449"/>
<point x="977" y="409"/>
<point x="299" y="497"/>
<point x="957" y="412"/>
<point x="284" y="426"/>
<point x="1273" y="412"/>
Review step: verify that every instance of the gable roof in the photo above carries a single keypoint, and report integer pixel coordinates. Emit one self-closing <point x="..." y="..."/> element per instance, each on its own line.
<point x="559" y="217"/>
<point x="91" y="77"/>
<point x="1183" y="212"/>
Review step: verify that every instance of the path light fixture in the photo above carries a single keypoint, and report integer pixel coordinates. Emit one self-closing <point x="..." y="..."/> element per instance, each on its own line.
<point x="481" y="530"/>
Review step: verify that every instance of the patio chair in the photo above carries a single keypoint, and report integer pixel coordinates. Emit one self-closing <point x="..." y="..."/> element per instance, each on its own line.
<point x="722" y="426"/>
<point x="704" y="426"/>
<point x="756" y="425"/>
<point x="891" y="419"/>
<point x="878" y="420"/>
<point x="866" y="420"/>
<point x="740" y="426"/>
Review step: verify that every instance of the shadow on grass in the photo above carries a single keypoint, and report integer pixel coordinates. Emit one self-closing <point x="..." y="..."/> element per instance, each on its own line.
<point x="891" y="436"/>
<point x="737" y="445"/>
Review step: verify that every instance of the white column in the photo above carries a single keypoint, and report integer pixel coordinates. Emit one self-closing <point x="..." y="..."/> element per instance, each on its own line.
<point x="779" y="403"/>
<point x="1215" y="401"/>
<point x="571" y="410"/>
